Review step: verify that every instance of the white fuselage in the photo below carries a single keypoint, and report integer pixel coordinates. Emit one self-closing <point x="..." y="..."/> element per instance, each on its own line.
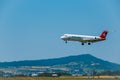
<point x="80" y="38"/>
<point x="84" y="38"/>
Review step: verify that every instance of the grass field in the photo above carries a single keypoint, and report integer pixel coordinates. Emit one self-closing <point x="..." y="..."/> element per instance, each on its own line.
<point x="58" y="78"/>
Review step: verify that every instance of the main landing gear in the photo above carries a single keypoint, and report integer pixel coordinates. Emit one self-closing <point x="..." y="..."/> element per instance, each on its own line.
<point x="88" y="43"/>
<point x="82" y="43"/>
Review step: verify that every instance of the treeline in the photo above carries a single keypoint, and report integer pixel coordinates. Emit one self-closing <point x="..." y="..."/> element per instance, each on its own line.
<point x="53" y="74"/>
<point x="94" y="73"/>
<point x="91" y="74"/>
<point x="110" y="73"/>
<point x="106" y="73"/>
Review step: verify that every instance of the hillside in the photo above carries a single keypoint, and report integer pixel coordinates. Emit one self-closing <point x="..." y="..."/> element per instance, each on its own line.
<point x="81" y="62"/>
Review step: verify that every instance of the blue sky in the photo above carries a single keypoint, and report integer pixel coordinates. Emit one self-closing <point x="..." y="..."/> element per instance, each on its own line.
<point x="31" y="29"/>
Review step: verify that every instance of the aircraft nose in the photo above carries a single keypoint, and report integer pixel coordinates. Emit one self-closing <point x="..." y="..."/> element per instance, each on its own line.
<point x="62" y="37"/>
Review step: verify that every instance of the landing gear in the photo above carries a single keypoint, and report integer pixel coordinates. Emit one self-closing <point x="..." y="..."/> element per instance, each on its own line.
<point x="89" y="43"/>
<point x="82" y="43"/>
<point x="66" y="41"/>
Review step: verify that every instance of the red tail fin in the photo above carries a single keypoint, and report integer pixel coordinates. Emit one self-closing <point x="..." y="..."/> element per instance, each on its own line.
<point x="104" y="34"/>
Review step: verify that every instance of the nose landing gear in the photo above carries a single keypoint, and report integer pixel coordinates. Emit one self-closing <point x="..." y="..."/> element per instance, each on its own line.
<point x="66" y="41"/>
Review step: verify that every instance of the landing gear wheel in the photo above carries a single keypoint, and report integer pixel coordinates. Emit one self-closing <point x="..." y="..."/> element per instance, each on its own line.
<point x="89" y="43"/>
<point x="66" y="41"/>
<point x="82" y="43"/>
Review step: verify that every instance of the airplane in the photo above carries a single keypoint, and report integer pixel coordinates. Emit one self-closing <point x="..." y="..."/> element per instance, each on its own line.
<point x="84" y="38"/>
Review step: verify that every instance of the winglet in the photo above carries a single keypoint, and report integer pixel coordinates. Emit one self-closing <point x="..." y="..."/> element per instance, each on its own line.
<point x="104" y="34"/>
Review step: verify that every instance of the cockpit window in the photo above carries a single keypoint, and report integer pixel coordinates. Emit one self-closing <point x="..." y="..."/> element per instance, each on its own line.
<point x="65" y="35"/>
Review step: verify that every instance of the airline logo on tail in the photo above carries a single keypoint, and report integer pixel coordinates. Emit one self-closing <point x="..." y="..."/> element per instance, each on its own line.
<point x="84" y="38"/>
<point x="104" y="34"/>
